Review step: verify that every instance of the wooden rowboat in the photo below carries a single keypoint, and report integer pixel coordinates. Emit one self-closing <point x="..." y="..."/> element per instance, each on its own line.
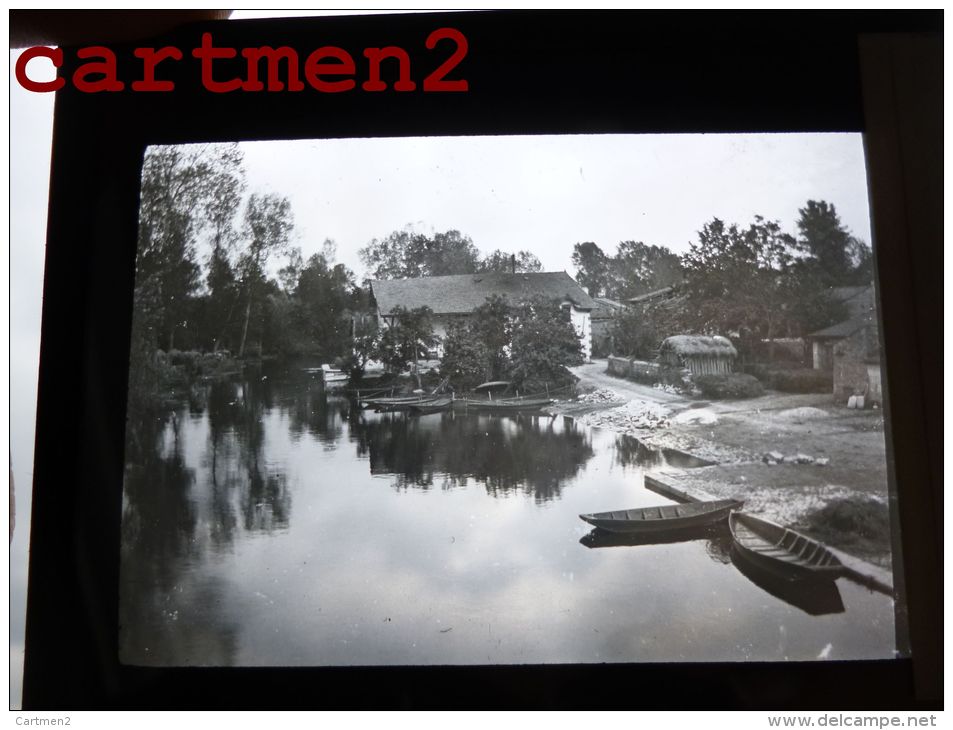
<point x="664" y="518"/>
<point x="782" y="550"/>
<point x="434" y="406"/>
<point x="508" y="405"/>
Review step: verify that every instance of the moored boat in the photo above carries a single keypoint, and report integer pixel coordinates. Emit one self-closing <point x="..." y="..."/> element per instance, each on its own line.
<point x="782" y="550"/>
<point x="503" y="405"/>
<point x="435" y="405"/>
<point x="333" y="376"/>
<point x="663" y="518"/>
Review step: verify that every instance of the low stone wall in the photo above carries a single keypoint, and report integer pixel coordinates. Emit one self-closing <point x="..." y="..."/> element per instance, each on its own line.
<point x="649" y="373"/>
<point x="638" y="370"/>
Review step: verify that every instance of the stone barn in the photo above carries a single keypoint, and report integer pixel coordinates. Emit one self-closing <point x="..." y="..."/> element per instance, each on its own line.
<point x="702" y="355"/>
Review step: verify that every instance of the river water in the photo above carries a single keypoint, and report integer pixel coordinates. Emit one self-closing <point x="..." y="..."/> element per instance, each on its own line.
<point x="267" y="522"/>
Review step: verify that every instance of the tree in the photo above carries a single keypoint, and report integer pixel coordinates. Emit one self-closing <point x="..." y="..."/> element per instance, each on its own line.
<point x="268" y="226"/>
<point x="638" y="268"/>
<point x="826" y="242"/>
<point x="406" y="255"/>
<point x="502" y="262"/>
<point x="739" y="280"/>
<point x="592" y="267"/>
<point x="184" y="190"/>
<point x="635" y="334"/>
<point x="324" y="295"/>
<point x="410" y="332"/>
<point x="475" y="351"/>
<point x="544" y="345"/>
<point x="464" y="357"/>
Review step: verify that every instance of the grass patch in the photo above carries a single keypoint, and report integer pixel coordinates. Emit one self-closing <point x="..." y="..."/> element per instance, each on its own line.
<point x="859" y="526"/>
<point x="729" y="387"/>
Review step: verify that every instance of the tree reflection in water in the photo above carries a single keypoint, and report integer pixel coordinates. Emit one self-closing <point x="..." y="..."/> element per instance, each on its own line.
<point x="531" y="454"/>
<point x="159" y="609"/>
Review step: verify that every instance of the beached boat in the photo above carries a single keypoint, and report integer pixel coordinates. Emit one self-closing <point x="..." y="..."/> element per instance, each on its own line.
<point x="663" y="518"/>
<point x="782" y="550"/>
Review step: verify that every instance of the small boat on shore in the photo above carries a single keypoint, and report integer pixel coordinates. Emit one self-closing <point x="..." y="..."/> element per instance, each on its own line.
<point x="663" y="518"/>
<point x="782" y="550"/>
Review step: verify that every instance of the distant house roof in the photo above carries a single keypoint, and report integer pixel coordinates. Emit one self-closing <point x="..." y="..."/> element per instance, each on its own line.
<point x="845" y="328"/>
<point x="688" y="345"/>
<point x="650" y="295"/>
<point x="606" y="308"/>
<point x="463" y="293"/>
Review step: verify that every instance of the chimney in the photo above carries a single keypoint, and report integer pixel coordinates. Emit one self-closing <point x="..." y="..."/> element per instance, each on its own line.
<point x="512" y="263"/>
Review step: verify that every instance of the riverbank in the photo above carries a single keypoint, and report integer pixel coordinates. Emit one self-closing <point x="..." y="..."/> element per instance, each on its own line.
<point x="799" y="460"/>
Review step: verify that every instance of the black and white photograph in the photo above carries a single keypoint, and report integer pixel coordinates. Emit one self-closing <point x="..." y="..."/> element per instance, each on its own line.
<point x="507" y="400"/>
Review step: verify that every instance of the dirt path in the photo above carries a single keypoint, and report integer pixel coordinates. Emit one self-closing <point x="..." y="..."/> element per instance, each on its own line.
<point x="830" y="479"/>
<point x="593" y="376"/>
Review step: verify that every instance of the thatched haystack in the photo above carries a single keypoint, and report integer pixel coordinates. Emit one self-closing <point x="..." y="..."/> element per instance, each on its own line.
<point x="703" y="355"/>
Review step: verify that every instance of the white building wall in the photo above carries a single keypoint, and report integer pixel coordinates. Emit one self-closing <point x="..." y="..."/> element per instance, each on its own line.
<point x="582" y="323"/>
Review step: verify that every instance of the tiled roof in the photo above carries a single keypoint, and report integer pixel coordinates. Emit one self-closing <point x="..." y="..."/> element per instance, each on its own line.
<point x="463" y="293"/>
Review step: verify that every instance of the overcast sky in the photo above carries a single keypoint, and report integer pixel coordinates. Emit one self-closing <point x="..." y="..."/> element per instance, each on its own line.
<point x="547" y="193"/>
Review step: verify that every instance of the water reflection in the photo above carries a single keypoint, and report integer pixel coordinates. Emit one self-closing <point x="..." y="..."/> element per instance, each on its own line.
<point x="717" y="539"/>
<point x="531" y="454"/>
<point x="814" y="597"/>
<point x="266" y="522"/>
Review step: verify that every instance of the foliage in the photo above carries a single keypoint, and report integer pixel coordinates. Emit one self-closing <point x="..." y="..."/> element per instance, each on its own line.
<point x="184" y="190"/>
<point x="464" y="357"/>
<point x="407" y="254"/>
<point x="832" y="256"/>
<point x="744" y="280"/>
<point x="795" y="380"/>
<point x="325" y="296"/>
<point x="592" y="268"/>
<point x="729" y="387"/>
<point x="476" y="351"/>
<point x="635" y="335"/>
<point x="638" y="268"/>
<point x="365" y="346"/>
<point x="268" y="226"/>
<point x="408" y="336"/>
<point x="544" y="344"/>
<point x="502" y="262"/>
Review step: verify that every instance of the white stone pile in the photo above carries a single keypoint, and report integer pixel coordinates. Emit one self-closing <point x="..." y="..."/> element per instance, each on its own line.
<point x="636" y="415"/>
<point x="602" y="395"/>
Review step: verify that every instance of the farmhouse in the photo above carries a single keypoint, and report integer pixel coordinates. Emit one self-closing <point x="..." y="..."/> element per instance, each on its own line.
<point x="851" y="349"/>
<point x="454" y="298"/>
<point x="701" y="355"/>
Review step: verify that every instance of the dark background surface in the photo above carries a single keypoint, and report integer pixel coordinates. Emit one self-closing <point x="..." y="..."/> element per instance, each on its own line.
<point x="528" y="73"/>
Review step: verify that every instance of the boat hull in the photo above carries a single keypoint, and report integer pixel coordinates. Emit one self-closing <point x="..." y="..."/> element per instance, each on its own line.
<point x="665" y="518"/>
<point x="781" y="550"/>
<point x="502" y="406"/>
<point x="436" y="406"/>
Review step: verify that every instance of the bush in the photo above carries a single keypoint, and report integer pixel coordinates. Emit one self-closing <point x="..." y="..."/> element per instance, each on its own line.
<point x="793" y="380"/>
<point x="803" y="381"/>
<point x="730" y="387"/>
